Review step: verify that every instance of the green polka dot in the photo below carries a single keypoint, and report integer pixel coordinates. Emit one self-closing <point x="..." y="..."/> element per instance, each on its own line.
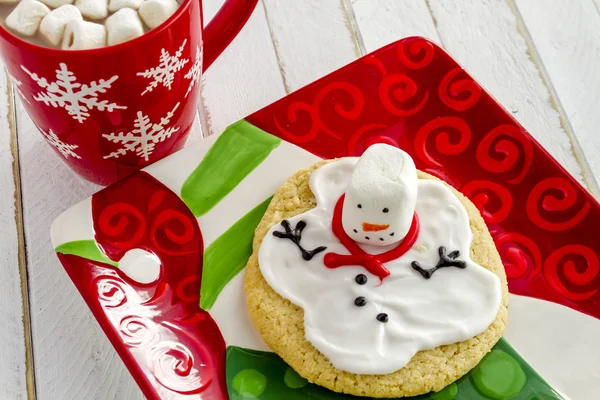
<point x="447" y="393"/>
<point x="499" y="376"/>
<point x="249" y="383"/>
<point x="293" y="380"/>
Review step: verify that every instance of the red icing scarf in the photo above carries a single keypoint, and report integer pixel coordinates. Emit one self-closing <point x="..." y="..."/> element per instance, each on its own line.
<point x="371" y="262"/>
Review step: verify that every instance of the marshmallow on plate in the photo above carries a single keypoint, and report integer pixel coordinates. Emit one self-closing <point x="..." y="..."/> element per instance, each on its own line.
<point x="56" y="3"/>
<point x="53" y="25"/>
<point x="116" y="5"/>
<point x="123" y="25"/>
<point x="26" y="17"/>
<point x="80" y="35"/>
<point x="93" y="9"/>
<point x="155" y="12"/>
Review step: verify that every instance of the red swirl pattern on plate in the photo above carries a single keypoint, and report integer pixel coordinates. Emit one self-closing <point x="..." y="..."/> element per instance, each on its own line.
<point x="122" y="224"/>
<point x="173" y="237"/>
<point x="415" y="54"/>
<point x="479" y="193"/>
<point x="498" y="151"/>
<point x="459" y="94"/>
<point x="397" y="89"/>
<point x="573" y="276"/>
<point x="520" y="255"/>
<point x="172" y="347"/>
<point x="331" y="93"/>
<point x="443" y="127"/>
<point x="555" y="195"/>
<point x="461" y="135"/>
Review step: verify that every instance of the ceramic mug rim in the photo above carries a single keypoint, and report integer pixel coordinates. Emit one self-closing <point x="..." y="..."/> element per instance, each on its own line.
<point x="22" y="43"/>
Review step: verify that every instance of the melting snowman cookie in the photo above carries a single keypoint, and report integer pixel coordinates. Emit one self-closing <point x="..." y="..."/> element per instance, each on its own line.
<point x="381" y="266"/>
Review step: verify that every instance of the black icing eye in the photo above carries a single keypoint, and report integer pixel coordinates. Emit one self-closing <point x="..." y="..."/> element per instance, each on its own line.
<point x="392" y="234"/>
<point x="360" y="301"/>
<point x="355" y="231"/>
<point x="385" y="210"/>
<point x="366" y="237"/>
<point x="381" y="239"/>
<point x="382" y="317"/>
<point x="359" y="206"/>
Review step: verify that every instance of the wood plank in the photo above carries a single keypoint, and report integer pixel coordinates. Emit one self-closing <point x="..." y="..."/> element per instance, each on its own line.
<point x="312" y="38"/>
<point x="566" y="35"/>
<point x="245" y="77"/>
<point x="12" y="332"/>
<point x="384" y="21"/>
<point x="485" y="39"/>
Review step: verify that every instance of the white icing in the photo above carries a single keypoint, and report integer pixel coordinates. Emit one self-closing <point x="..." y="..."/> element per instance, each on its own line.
<point x="382" y="190"/>
<point x="454" y="305"/>
<point x="140" y="265"/>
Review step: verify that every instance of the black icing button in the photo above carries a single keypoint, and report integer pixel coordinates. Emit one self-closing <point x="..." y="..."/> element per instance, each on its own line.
<point x="361" y="279"/>
<point x="382" y="317"/>
<point x="360" y="301"/>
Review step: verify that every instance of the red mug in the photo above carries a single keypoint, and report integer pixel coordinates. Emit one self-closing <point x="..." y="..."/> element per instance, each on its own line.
<point x="110" y="111"/>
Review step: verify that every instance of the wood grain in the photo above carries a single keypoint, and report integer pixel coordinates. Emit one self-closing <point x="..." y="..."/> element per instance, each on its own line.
<point x="312" y="39"/>
<point x="384" y="21"/>
<point x="245" y="77"/>
<point x="12" y="332"/>
<point x="566" y="35"/>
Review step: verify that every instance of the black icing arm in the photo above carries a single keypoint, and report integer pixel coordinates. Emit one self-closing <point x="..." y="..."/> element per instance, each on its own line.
<point x="295" y="236"/>
<point x="446" y="260"/>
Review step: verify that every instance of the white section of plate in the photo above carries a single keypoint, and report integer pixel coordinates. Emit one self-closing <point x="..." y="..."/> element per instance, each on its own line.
<point x="561" y="344"/>
<point x="73" y="224"/>
<point x="230" y="312"/>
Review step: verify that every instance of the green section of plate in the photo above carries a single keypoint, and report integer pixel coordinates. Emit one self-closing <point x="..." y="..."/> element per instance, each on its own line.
<point x="85" y="249"/>
<point x="228" y="255"/>
<point x="236" y="153"/>
<point x="501" y="375"/>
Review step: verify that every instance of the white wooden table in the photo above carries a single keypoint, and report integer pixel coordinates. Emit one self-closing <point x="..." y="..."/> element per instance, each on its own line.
<point x="539" y="58"/>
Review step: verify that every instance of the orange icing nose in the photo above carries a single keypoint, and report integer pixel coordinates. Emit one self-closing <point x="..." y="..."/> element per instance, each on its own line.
<point x="367" y="227"/>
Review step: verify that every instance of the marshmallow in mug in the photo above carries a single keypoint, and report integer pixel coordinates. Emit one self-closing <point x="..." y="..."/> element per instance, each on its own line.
<point x="93" y="9"/>
<point x="381" y="196"/>
<point x="53" y="25"/>
<point x="155" y="12"/>
<point x="26" y="17"/>
<point x="80" y="35"/>
<point x="84" y="24"/>
<point x="116" y="5"/>
<point x="123" y="25"/>
<point x="56" y="3"/>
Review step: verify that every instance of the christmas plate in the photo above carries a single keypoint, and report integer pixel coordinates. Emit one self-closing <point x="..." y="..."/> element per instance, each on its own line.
<point x="159" y="256"/>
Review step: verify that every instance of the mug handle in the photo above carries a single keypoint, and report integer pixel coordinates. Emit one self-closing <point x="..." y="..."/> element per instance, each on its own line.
<point x="224" y="27"/>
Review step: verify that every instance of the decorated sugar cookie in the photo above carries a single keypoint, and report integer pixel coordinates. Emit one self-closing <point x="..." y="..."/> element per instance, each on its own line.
<point x="370" y="281"/>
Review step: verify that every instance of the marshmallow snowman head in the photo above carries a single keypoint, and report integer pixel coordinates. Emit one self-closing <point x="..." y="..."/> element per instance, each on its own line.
<point x="381" y="196"/>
